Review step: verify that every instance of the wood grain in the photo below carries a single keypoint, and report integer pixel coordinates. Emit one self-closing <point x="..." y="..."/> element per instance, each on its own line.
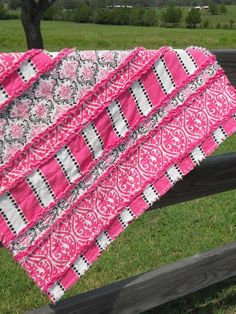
<point x="214" y="175"/>
<point x="227" y="59"/>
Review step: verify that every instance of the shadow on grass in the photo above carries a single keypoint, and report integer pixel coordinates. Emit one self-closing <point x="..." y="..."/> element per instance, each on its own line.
<point x="217" y="298"/>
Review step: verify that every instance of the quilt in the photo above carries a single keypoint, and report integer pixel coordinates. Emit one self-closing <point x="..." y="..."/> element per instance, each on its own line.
<point x="89" y="140"/>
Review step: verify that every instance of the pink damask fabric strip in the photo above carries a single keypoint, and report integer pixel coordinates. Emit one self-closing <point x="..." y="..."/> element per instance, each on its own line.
<point x="96" y="140"/>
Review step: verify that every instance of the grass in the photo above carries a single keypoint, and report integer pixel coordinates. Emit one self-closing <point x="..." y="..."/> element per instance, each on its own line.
<point x="58" y="35"/>
<point x="158" y="237"/>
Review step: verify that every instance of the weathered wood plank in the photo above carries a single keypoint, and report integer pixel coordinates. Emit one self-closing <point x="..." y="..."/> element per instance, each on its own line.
<point x="227" y="59"/>
<point x="153" y="288"/>
<point x="214" y="175"/>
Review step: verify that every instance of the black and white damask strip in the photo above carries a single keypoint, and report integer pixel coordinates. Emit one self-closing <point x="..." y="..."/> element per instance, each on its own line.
<point x="93" y="140"/>
<point x="141" y="98"/>
<point x="41" y="188"/>
<point x="118" y="120"/>
<point x="12" y="213"/>
<point x="68" y="164"/>
<point x="164" y="76"/>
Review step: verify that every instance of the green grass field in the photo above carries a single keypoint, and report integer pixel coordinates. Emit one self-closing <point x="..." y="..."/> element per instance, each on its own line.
<point x="158" y="237"/>
<point x="91" y="36"/>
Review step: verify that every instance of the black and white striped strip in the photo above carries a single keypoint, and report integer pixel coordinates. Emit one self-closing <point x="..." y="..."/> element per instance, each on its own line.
<point x="3" y="95"/>
<point x="197" y="155"/>
<point x="219" y="135"/>
<point x="27" y="70"/>
<point x="41" y="188"/>
<point x="12" y="213"/>
<point x="141" y="98"/>
<point x="119" y="122"/>
<point x="56" y="291"/>
<point x="126" y="216"/>
<point x="80" y="266"/>
<point x="174" y="174"/>
<point x="103" y="240"/>
<point x="68" y="164"/>
<point x="93" y="140"/>
<point x="164" y="76"/>
<point x="186" y="60"/>
<point x="150" y="194"/>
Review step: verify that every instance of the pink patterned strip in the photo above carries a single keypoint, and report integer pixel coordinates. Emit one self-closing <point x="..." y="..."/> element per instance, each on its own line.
<point x="130" y="214"/>
<point x="197" y="128"/>
<point x="76" y="118"/>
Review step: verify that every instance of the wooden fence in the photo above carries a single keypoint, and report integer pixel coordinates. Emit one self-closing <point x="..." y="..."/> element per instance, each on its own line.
<point x="148" y="290"/>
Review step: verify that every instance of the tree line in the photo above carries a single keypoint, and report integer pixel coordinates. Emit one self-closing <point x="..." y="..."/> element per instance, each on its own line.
<point x="73" y="4"/>
<point x="88" y="12"/>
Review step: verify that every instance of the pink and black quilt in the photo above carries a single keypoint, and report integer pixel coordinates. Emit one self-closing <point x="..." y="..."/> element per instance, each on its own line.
<point x="91" y="139"/>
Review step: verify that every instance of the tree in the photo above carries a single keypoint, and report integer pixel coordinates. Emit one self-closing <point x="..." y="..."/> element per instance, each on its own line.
<point x="213" y="8"/>
<point x="172" y="15"/>
<point x="193" y="18"/>
<point x="83" y="14"/>
<point x="3" y="12"/>
<point x="206" y="24"/>
<point x="135" y="17"/>
<point x="14" y="4"/>
<point x="54" y="13"/>
<point x="70" y="4"/>
<point x="223" y="9"/>
<point x="150" y="18"/>
<point x="31" y="15"/>
<point x="231" y="23"/>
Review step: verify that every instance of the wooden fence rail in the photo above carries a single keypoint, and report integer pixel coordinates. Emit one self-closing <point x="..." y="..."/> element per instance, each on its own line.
<point x="227" y="59"/>
<point x="140" y="293"/>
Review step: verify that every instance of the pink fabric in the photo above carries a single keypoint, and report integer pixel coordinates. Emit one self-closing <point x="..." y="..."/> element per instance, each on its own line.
<point x="91" y="140"/>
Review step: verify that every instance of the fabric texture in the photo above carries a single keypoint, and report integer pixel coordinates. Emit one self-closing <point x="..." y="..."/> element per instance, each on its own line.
<point x="90" y="139"/>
